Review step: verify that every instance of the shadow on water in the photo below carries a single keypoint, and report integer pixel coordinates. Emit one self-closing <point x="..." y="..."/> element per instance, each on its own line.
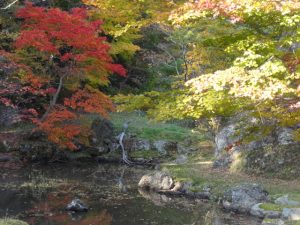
<point x="39" y="195"/>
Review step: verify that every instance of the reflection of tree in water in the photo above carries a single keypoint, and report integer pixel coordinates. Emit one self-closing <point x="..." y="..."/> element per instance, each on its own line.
<point x="51" y="210"/>
<point x="121" y="184"/>
<point x="96" y="218"/>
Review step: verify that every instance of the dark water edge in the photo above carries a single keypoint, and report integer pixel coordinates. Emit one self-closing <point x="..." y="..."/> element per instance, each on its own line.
<point x="39" y="195"/>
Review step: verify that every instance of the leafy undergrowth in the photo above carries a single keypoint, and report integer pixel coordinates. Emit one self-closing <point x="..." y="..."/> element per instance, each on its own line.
<point x="143" y="128"/>
<point x="199" y="170"/>
<point x="151" y="154"/>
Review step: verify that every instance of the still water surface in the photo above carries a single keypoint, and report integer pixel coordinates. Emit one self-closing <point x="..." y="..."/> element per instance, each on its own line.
<point x="39" y="195"/>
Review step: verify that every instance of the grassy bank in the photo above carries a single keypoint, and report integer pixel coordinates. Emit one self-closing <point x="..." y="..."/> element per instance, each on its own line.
<point x="201" y="174"/>
<point x="146" y="129"/>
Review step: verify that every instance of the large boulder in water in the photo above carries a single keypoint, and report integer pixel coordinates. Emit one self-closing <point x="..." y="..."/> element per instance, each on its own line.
<point x="157" y="181"/>
<point x="241" y="198"/>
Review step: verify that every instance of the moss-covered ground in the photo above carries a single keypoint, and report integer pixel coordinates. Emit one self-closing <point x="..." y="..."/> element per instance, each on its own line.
<point x="200" y="172"/>
<point x="143" y="128"/>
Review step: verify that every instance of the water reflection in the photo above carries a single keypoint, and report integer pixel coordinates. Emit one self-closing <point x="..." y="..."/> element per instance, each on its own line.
<point x="40" y="195"/>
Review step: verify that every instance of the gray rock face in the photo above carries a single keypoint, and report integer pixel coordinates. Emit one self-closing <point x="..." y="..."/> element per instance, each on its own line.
<point x="182" y="186"/>
<point x="242" y="198"/>
<point x="133" y="143"/>
<point x="284" y="200"/>
<point x="261" y="213"/>
<point x="102" y="134"/>
<point x="6" y="67"/>
<point x="272" y="152"/>
<point x="8" y="116"/>
<point x="76" y="205"/>
<point x="272" y="222"/>
<point x="291" y="213"/>
<point x="157" y="181"/>
<point x="160" y="146"/>
<point x="285" y="136"/>
<point x="224" y="138"/>
<point x="181" y="159"/>
<point x="275" y="159"/>
<point x="226" y="159"/>
<point x="140" y="144"/>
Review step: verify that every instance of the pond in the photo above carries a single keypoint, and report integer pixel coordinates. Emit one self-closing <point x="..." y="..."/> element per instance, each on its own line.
<point x="39" y="195"/>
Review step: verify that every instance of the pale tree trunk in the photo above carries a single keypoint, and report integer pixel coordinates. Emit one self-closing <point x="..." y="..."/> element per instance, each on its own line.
<point x="124" y="152"/>
<point x="54" y="99"/>
<point x="9" y="5"/>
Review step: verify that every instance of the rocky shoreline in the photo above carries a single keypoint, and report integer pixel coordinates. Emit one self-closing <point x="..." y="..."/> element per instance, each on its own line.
<point x="245" y="198"/>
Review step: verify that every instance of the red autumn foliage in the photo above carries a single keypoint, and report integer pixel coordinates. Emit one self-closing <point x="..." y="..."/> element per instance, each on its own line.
<point x="53" y="31"/>
<point x="91" y="101"/>
<point x="78" y="53"/>
<point x="61" y="127"/>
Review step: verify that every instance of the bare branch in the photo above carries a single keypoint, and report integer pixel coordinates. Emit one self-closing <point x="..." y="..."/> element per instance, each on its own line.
<point x="124" y="152"/>
<point x="9" y="5"/>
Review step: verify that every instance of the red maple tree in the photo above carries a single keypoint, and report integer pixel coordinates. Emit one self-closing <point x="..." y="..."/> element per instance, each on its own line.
<point x="79" y="60"/>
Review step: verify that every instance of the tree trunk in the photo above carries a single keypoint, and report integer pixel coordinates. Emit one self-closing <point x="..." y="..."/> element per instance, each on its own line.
<point x="54" y="99"/>
<point x="124" y="152"/>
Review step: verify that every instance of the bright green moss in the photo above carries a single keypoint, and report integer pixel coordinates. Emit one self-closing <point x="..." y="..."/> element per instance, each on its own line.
<point x="8" y="221"/>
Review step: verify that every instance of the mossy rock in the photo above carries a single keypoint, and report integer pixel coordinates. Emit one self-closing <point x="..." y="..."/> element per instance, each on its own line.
<point x="289" y="199"/>
<point x="268" y="221"/>
<point x="294" y="197"/>
<point x="292" y="223"/>
<point x="7" y="221"/>
<point x="271" y="207"/>
<point x="145" y="154"/>
<point x="274" y="207"/>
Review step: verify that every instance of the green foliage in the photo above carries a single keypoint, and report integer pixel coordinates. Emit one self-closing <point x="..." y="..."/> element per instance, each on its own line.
<point x="237" y="56"/>
<point x="145" y="154"/>
<point x="8" y="29"/>
<point x="124" y="20"/>
<point x="66" y="4"/>
<point x="143" y="128"/>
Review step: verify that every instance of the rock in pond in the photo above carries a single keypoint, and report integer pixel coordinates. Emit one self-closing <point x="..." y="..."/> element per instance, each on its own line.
<point x="272" y="222"/>
<point x="258" y="211"/>
<point x="241" y="198"/>
<point x="291" y="214"/>
<point x="156" y="181"/>
<point x="76" y="205"/>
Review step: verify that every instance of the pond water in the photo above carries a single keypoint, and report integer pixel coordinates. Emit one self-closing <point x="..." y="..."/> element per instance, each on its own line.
<point x="39" y="195"/>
